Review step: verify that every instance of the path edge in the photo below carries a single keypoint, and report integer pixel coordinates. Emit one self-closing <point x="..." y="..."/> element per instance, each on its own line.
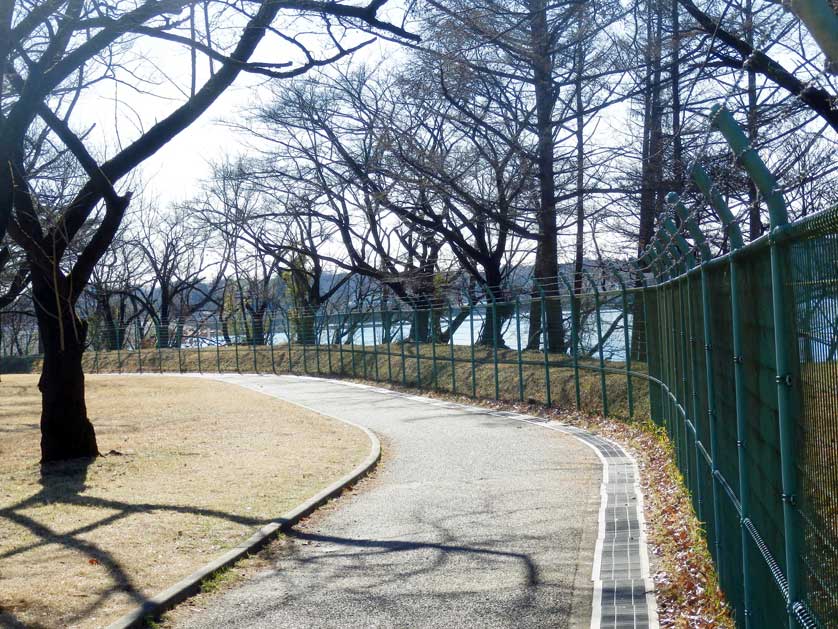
<point x="191" y="585"/>
<point x="578" y="434"/>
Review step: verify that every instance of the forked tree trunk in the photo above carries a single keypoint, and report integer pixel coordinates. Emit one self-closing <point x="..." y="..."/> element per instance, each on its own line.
<point x="66" y="431"/>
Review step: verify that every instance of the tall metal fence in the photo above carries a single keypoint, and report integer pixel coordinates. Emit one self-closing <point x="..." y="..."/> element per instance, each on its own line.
<point x="735" y="355"/>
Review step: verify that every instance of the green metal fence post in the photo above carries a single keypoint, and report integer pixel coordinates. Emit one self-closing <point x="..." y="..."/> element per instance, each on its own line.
<point x="704" y="250"/>
<point x="544" y="340"/>
<point x="389" y="331"/>
<point x="787" y="377"/>
<point x="317" y="331"/>
<point x="402" y="342"/>
<point x="198" y="345"/>
<point x="661" y="261"/>
<point x="217" y="346"/>
<point x="304" y="340"/>
<point x="471" y="345"/>
<point x="363" y="342"/>
<point x="375" y="345"/>
<point x="706" y="307"/>
<point x="328" y="342"/>
<point x="520" y="358"/>
<point x="688" y="263"/>
<point x="118" y="352"/>
<point x="236" y="342"/>
<point x="574" y="338"/>
<point x="139" y="347"/>
<point x="416" y="336"/>
<point x="159" y="352"/>
<point x="253" y="346"/>
<point x="432" y="323"/>
<point x="271" y="323"/>
<point x="626" y="342"/>
<point x="494" y="339"/>
<point x="352" y="340"/>
<point x="716" y="201"/>
<point x="602" y="383"/>
<point x="289" y="334"/>
<point x="451" y="346"/>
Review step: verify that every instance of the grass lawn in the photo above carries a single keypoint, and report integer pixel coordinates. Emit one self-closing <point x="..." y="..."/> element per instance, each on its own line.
<point x="192" y="467"/>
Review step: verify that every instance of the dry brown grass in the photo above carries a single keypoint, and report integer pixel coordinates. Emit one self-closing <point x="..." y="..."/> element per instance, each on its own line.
<point x="373" y="363"/>
<point x="193" y="468"/>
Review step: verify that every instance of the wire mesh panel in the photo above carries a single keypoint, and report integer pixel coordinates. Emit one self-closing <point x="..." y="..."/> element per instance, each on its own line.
<point x="815" y="286"/>
<point x="762" y="449"/>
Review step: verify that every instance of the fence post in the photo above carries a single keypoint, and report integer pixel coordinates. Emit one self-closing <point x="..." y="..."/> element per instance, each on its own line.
<point x="288" y="333"/>
<point x="418" y="357"/>
<point x="661" y="259"/>
<point x="375" y="345"/>
<point x="217" y="346"/>
<point x="786" y="369"/>
<point x="494" y="339"/>
<point x="688" y="264"/>
<point x="715" y="200"/>
<point x="198" y="345"/>
<point x="662" y="274"/>
<point x="253" y="342"/>
<point x="711" y="407"/>
<point x="602" y="382"/>
<point x="389" y="330"/>
<point x="451" y="345"/>
<point x="544" y="340"/>
<point x="518" y="338"/>
<point x="352" y="340"/>
<point x="574" y="337"/>
<point x="316" y="330"/>
<point x="118" y="352"/>
<point x="139" y="346"/>
<point x="471" y="345"/>
<point x="236" y="343"/>
<point x="271" y="323"/>
<point x="328" y="341"/>
<point x="159" y="352"/>
<point x="304" y="341"/>
<point x="432" y="324"/>
<point x="363" y="342"/>
<point x="402" y="342"/>
<point x="706" y="256"/>
<point x="626" y="342"/>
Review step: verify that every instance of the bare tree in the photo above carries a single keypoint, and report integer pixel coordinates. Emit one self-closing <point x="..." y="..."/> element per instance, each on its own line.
<point x="52" y="53"/>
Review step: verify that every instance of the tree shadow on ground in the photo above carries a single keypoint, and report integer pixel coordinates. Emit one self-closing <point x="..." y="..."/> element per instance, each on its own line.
<point x="64" y="483"/>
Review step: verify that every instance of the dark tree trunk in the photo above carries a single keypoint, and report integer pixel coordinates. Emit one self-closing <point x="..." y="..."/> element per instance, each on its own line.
<point x="257" y="327"/>
<point x="546" y="267"/>
<point x="66" y="431"/>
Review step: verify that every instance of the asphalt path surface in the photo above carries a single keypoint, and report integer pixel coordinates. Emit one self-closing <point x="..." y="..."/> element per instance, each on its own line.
<point x="472" y="519"/>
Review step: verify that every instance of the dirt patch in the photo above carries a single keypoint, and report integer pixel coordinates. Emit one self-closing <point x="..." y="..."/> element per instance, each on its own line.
<point x="193" y="467"/>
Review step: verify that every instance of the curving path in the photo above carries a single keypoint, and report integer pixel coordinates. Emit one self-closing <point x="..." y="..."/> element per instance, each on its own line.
<point x="473" y="519"/>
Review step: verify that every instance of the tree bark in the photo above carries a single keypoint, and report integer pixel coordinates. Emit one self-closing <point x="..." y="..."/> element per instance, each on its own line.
<point x="66" y="431"/>
<point x="546" y="267"/>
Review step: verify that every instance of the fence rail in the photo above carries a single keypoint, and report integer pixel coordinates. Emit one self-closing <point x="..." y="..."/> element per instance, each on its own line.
<point x="735" y="355"/>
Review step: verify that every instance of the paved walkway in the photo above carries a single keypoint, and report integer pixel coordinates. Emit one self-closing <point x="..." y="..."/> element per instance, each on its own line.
<point x="473" y="519"/>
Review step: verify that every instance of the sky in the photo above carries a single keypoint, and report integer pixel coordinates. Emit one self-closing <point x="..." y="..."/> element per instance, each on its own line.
<point x="159" y="72"/>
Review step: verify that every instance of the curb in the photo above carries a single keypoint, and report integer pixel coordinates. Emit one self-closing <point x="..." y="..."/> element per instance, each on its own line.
<point x="191" y="585"/>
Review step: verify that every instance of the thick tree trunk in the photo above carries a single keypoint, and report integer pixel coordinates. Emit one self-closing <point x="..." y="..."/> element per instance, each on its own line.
<point x="66" y="431"/>
<point x="546" y="267"/>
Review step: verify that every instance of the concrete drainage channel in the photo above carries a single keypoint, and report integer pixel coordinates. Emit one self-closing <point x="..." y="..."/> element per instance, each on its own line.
<point x="623" y="593"/>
